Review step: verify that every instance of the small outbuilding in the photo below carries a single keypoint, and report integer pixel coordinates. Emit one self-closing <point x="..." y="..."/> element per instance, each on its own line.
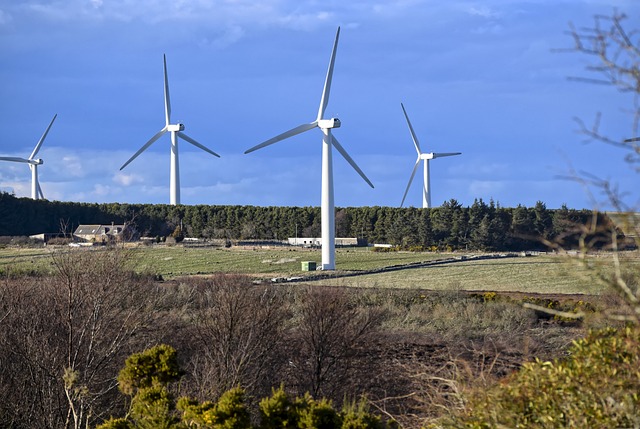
<point x="308" y="266"/>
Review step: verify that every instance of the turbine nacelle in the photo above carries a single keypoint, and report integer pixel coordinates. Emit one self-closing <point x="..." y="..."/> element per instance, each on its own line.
<point x="427" y="155"/>
<point x="175" y="127"/>
<point x="329" y="123"/>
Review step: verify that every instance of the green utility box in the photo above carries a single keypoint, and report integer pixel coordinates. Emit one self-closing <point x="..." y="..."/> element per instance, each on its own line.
<point x="308" y="266"/>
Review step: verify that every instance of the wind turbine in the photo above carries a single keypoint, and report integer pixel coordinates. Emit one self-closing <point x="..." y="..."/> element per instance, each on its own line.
<point x="328" y="141"/>
<point x="176" y="131"/>
<point x="36" y="190"/>
<point x="425" y="157"/>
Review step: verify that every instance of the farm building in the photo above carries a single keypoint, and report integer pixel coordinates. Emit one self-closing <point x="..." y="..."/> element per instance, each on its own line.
<point x="627" y="222"/>
<point x="46" y="236"/>
<point x="103" y="233"/>
<point x="317" y="242"/>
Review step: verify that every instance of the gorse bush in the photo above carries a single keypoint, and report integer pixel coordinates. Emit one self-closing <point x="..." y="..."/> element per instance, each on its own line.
<point x="597" y="386"/>
<point x="229" y="412"/>
<point x="155" y="367"/>
<point x="146" y="377"/>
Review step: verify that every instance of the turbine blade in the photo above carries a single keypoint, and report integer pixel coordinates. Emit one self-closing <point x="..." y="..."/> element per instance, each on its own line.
<point x="15" y="159"/>
<point x="35" y="151"/>
<point x="167" y="100"/>
<point x="440" y="155"/>
<point x="635" y="139"/>
<point x="415" y="168"/>
<point x="292" y="132"/>
<point x="146" y="145"/>
<point x="39" y="189"/>
<point x="327" y="82"/>
<point x="413" y="134"/>
<point x="349" y="160"/>
<point x="196" y="144"/>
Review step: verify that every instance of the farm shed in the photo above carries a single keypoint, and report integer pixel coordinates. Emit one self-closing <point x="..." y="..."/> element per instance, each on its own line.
<point x="317" y="242"/>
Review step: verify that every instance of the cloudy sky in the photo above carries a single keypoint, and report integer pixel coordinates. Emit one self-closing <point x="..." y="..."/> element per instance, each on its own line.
<point x="478" y="77"/>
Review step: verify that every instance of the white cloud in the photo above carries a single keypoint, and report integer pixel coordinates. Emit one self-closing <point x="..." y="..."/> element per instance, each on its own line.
<point x="5" y="17"/>
<point x="73" y="166"/>
<point x="236" y="14"/>
<point x="127" y="179"/>
<point x="305" y="21"/>
<point x="20" y="189"/>
<point x="395" y="7"/>
<point x="483" y="11"/>
<point x="231" y="35"/>
<point x="102" y="190"/>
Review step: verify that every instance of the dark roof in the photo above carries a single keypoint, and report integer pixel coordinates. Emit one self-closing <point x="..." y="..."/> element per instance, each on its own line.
<point x="96" y="229"/>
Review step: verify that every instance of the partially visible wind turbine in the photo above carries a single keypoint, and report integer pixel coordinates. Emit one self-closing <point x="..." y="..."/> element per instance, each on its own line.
<point x="425" y="157"/>
<point x="328" y="141"/>
<point x="176" y="131"/>
<point x="36" y="190"/>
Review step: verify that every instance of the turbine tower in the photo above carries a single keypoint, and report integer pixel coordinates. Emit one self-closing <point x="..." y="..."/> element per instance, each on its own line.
<point x="425" y="157"/>
<point x="176" y="131"/>
<point x="328" y="142"/>
<point x="36" y="190"/>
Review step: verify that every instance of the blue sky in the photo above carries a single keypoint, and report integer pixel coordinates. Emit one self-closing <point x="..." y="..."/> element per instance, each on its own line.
<point x="478" y="77"/>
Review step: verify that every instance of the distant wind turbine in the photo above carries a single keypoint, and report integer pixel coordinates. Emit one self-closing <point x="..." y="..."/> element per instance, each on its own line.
<point x="425" y="157"/>
<point x="328" y="141"/>
<point x="36" y="190"/>
<point x="176" y="131"/>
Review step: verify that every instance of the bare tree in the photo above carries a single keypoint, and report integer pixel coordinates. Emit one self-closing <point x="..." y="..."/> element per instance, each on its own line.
<point x="102" y="307"/>
<point x="330" y="332"/>
<point x="239" y="332"/>
<point x="615" y="54"/>
<point x="64" y="338"/>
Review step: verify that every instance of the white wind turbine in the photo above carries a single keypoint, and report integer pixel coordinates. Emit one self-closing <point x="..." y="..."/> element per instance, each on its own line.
<point x="328" y="141"/>
<point x="425" y="157"/>
<point x="176" y="131"/>
<point x="36" y="190"/>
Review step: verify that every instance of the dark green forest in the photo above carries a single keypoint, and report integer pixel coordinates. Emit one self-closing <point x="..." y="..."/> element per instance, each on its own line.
<point x="482" y="226"/>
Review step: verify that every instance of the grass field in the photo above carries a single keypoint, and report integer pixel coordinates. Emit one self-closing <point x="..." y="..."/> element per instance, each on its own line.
<point x="536" y="274"/>
<point x="177" y="261"/>
<point x="540" y="274"/>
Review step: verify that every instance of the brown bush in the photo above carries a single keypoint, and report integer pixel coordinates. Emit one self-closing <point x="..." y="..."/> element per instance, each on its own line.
<point x="64" y="337"/>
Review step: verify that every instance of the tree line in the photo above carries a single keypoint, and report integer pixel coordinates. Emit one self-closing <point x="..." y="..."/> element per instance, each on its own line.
<point x="481" y="226"/>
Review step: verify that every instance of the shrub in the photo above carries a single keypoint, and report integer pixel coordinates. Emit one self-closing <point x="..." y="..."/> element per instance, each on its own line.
<point x="598" y="385"/>
<point x="229" y="412"/>
<point x="153" y="367"/>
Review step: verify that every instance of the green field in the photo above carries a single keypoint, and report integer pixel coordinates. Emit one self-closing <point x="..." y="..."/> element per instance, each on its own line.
<point x="535" y="274"/>
<point x="539" y="274"/>
<point x="171" y="261"/>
